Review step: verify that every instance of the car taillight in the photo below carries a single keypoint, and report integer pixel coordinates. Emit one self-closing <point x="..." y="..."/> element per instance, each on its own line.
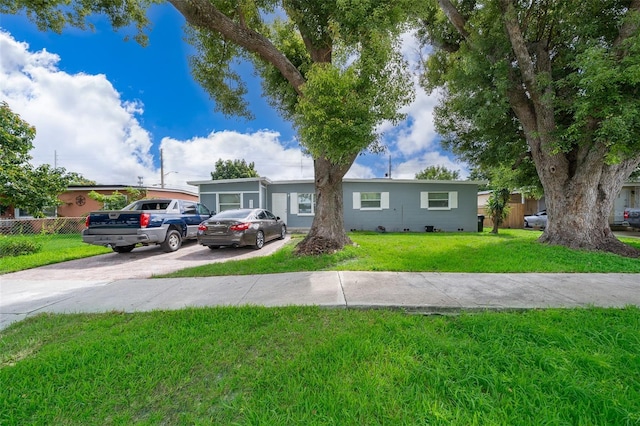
<point x="202" y="227"/>
<point x="87" y="222"/>
<point x="240" y="226"/>
<point x="144" y="219"/>
<point x="626" y="215"/>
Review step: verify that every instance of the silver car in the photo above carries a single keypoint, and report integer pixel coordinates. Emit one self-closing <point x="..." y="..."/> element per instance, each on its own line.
<point x="538" y="220"/>
<point x="241" y="227"/>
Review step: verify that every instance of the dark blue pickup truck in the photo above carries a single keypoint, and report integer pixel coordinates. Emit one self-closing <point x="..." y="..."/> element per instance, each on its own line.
<point x="163" y="221"/>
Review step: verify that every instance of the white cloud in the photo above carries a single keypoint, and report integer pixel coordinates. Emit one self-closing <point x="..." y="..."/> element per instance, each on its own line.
<point x="81" y="122"/>
<point x="262" y="148"/>
<point x="84" y="125"/>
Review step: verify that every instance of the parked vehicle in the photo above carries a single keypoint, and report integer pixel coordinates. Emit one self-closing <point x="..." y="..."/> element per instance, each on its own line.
<point x="538" y="220"/>
<point x="241" y="227"/>
<point x="163" y="221"/>
<point x="632" y="217"/>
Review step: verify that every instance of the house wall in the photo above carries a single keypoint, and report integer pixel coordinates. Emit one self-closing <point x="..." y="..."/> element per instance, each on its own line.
<point x="252" y="193"/>
<point x="402" y="205"/>
<point x="76" y="201"/>
<point x="405" y="211"/>
<point x="293" y="221"/>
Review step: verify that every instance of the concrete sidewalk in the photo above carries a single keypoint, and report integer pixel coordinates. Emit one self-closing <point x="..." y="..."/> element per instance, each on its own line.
<point x="419" y="292"/>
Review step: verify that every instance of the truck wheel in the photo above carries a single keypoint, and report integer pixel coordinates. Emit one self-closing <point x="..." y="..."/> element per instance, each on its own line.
<point x="123" y="249"/>
<point x="172" y="242"/>
<point x="259" y="240"/>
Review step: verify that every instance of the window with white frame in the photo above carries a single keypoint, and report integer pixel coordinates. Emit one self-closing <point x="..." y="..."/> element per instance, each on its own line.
<point x="303" y="203"/>
<point x="228" y="202"/>
<point x="24" y="213"/>
<point x="370" y="200"/>
<point x="439" y="200"/>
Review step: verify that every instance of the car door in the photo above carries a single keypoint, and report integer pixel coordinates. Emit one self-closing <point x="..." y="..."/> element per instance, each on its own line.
<point x="192" y="218"/>
<point x="261" y="217"/>
<point x="274" y="226"/>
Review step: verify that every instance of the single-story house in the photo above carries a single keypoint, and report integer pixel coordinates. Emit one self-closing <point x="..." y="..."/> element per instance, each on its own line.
<point x="76" y="202"/>
<point x="369" y="204"/>
<point x="629" y="197"/>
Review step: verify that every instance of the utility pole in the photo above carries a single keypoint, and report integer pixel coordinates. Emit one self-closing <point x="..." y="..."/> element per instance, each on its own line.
<point x="161" y="170"/>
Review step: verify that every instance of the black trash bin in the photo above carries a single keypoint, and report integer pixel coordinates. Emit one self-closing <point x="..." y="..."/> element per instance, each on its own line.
<point x="480" y="223"/>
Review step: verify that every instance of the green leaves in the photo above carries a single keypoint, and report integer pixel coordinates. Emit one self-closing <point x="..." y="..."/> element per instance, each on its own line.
<point x="235" y="169"/>
<point x="21" y="184"/>
<point x="438" y="173"/>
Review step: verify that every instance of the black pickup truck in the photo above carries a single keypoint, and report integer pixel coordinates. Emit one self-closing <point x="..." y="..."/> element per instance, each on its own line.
<point x="163" y="221"/>
<point x="632" y="217"/>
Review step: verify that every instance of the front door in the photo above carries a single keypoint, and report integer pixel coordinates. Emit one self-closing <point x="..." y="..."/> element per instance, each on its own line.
<point x="279" y="205"/>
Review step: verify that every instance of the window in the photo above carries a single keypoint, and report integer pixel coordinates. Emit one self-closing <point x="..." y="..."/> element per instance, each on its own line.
<point x="24" y="213"/>
<point x="229" y="201"/>
<point x="439" y="200"/>
<point x="303" y="203"/>
<point x="370" y="200"/>
<point x="190" y="208"/>
<point x="203" y="210"/>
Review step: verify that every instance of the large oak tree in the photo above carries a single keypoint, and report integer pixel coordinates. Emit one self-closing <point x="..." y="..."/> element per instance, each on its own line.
<point x="331" y="67"/>
<point x="552" y="82"/>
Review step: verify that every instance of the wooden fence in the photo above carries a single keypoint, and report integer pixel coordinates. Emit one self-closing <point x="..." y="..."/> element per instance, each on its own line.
<point x="515" y="220"/>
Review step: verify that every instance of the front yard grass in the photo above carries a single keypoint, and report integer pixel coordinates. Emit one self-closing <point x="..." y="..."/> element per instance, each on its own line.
<point x="510" y="251"/>
<point x="55" y="248"/>
<point x="312" y="366"/>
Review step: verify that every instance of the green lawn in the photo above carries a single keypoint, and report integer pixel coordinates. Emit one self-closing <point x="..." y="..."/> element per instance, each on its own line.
<point x="55" y="248"/>
<point x="307" y="365"/>
<point x="313" y="366"/>
<point x="509" y="251"/>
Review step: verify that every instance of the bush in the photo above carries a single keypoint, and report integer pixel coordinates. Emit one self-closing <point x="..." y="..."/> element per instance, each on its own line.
<point x="18" y="246"/>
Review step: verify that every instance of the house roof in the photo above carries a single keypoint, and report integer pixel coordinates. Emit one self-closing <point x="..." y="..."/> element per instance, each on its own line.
<point x="125" y="187"/>
<point x="378" y="180"/>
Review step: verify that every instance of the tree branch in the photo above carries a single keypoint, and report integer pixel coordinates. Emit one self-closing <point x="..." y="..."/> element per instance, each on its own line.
<point x="628" y="28"/>
<point x="456" y="19"/>
<point x="203" y="14"/>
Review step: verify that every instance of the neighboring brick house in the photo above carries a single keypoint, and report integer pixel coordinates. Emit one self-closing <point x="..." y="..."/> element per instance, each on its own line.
<point x="76" y="201"/>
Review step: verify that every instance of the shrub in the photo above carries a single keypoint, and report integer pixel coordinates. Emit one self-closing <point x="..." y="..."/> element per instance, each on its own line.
<point x="18" y="246"/>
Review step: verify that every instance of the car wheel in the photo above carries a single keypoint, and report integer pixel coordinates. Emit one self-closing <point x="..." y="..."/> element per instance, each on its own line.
<point x="259" y="240"/>
<point x="123" y="249"/>
<point x="526" y="224"/>
<point x="213" y="247"/>
<point x="172" y="242"/>
<point x="283" y="233"/>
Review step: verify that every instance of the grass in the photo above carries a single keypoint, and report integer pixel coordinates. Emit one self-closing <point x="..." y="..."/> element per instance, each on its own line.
<point x="306" y="365"/>
<point x="509" y="251"/>
<point x="55" y="248"/>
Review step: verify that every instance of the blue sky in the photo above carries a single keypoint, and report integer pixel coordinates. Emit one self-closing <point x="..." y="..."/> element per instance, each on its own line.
<point x="104" y="107"/>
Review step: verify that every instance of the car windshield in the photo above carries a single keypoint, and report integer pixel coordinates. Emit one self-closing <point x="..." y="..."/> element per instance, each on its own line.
<point x="233" y="214"/>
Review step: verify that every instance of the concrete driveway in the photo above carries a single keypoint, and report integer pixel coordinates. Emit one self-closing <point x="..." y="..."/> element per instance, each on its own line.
<point x="142" y="262"/>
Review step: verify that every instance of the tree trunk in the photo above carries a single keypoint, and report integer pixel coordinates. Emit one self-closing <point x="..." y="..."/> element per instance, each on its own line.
<point x="578" y="213"/>
<point x="579" y="186"/>
<point x="327" y="233"/>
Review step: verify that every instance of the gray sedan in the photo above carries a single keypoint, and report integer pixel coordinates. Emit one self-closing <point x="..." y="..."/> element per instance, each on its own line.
<point x="537" y="220"/>
<point x="241" y="227"/>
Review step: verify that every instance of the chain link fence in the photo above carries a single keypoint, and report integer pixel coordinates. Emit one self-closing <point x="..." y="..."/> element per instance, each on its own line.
<point x="69" y="226"/>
